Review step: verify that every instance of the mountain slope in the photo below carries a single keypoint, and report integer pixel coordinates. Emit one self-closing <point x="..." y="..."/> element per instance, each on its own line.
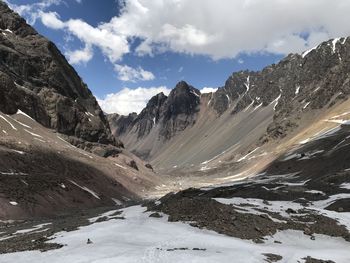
<point x="57" y="153"/>
<point x="36" y="78"/>
<point x="253" y="111"/>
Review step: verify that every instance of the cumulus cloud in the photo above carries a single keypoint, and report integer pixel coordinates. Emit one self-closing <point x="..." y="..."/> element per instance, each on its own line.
<point x="32" y="12"/>
<point x="80" y="56"/>
<point x="232" y="27"/>
<point x="217" y="30"/>
<point x="126" y="73"/>
<point x="52" y="20"/>
<point x="129" y="100"/>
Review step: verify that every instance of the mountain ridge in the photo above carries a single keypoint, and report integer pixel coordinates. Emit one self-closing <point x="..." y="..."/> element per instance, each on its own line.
<point x="298" y="86"/>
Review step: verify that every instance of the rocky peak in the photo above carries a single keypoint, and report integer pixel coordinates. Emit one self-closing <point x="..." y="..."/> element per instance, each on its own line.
<point x="183" y="99"/>
<point x="11" y="21"/>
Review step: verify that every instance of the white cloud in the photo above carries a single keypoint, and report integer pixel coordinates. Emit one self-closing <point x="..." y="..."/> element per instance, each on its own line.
<point x="208" y="90"/>
<point x="126" y="73"/>
<point x="80" y="56"/>
<point x="232" y="27"/>
<point x="181" y="69"/>
<point x="33" y="11"/>
<point x="207" y="28"/>
<point x="51" y="19"/>
<point x="130" y="100"/>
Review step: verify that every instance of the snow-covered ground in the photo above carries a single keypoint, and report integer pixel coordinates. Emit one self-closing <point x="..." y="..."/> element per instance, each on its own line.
<point x="140" y="238"/>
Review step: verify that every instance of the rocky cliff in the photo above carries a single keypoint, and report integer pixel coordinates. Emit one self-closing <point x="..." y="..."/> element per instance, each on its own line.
<point x="36" y="79"/>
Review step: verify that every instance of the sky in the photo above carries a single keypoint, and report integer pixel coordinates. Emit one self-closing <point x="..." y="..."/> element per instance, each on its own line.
<point x="129" y="50"/>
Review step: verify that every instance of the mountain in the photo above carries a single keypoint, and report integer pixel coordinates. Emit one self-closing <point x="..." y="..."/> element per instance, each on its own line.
<point x="253" y="111"/>
<point x="57" y="152"/>
<point x="37" y="79"/>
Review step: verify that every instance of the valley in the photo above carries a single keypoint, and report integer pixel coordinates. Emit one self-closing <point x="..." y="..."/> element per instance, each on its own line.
<point x="256" y="171"/>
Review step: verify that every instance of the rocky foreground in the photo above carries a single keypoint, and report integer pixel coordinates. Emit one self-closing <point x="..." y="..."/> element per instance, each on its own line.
<point x="297" y="210"/>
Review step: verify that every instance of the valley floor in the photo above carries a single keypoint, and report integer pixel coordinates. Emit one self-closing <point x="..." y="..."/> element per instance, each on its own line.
<point x="196" y="225"/>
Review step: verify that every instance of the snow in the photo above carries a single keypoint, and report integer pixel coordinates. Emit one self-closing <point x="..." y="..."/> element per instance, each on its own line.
<point x="63" y="186"/>
<point x="13" y="203"/>
<point x="13" y="127"/>
<point x="229" y="100"/>
<point x="276" y="101"/>
<point x="248" y="107"/>
<point x="8" y="30"/>
<point x="345" y="186"/>
<point x="141" y="239"/>
<point x="245" y="156"/>
<point x="4" y="131"/>
<point x="315" y="192"/>
<point x="194" y="93"/>
<point x="117" y="201"/>
<point x="89" y="114"/>
<point x="34" y="134"/>
<point x="120" y="166"/>
<point x="305" y="53"/>
<point x="258" y="106"/>
<point x="35" y="228"/>
<point x="86" y="189"/>
<point x="40" y="140"/>
<point x="307" y="104"/>
<point x="24" y="114"/>
<point x="19" y="152"/>
<point x="247" y="84"/>
<point x="154" y="121"/>
<point x="334" y="43"/>
<point x="297" y="89"/>
<point x="340" y="115"/>
<point x="344" y="122"/>
<point x="333" y="198"/>
<point x="13" y="173"/>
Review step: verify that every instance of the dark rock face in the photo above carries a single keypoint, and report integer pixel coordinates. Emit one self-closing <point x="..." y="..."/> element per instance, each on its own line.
<point x="180" y="109"/>
<point x="36" y="78"/>
<point x="173" y="114"/>
<point x="119" y="123"/>
<point x="149" y="116"/>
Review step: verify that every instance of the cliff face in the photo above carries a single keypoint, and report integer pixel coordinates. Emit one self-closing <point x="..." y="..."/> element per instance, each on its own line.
<point x="36" y="79"/>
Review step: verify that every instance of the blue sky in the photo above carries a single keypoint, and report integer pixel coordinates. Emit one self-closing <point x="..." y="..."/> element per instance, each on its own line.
<point x="126" y="51"/>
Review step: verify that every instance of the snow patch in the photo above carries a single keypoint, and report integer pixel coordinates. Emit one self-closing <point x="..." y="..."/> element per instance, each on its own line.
<point x="24" y="114"/>
<point x="307" y="104"/>
<point x="34" y="134"/>
<point x="334" y="43"/>
<point x="245" y="156"/>
<point x="13" y="127"/>
<point x="120" y="166"/>
<point x="86" y="189"/>
<point x="305" y="53"/>
<point x="13" y="203"/>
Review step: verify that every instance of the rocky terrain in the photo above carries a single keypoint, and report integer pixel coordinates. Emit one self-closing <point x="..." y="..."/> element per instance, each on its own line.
<point x="252" y="109"/>
<point x="256" y="172"/>
<point x="36" y="79"/>
<point x="57" y="153"/>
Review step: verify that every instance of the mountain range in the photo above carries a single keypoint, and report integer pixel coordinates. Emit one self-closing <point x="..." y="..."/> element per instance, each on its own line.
<point x="262" y="162"/>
